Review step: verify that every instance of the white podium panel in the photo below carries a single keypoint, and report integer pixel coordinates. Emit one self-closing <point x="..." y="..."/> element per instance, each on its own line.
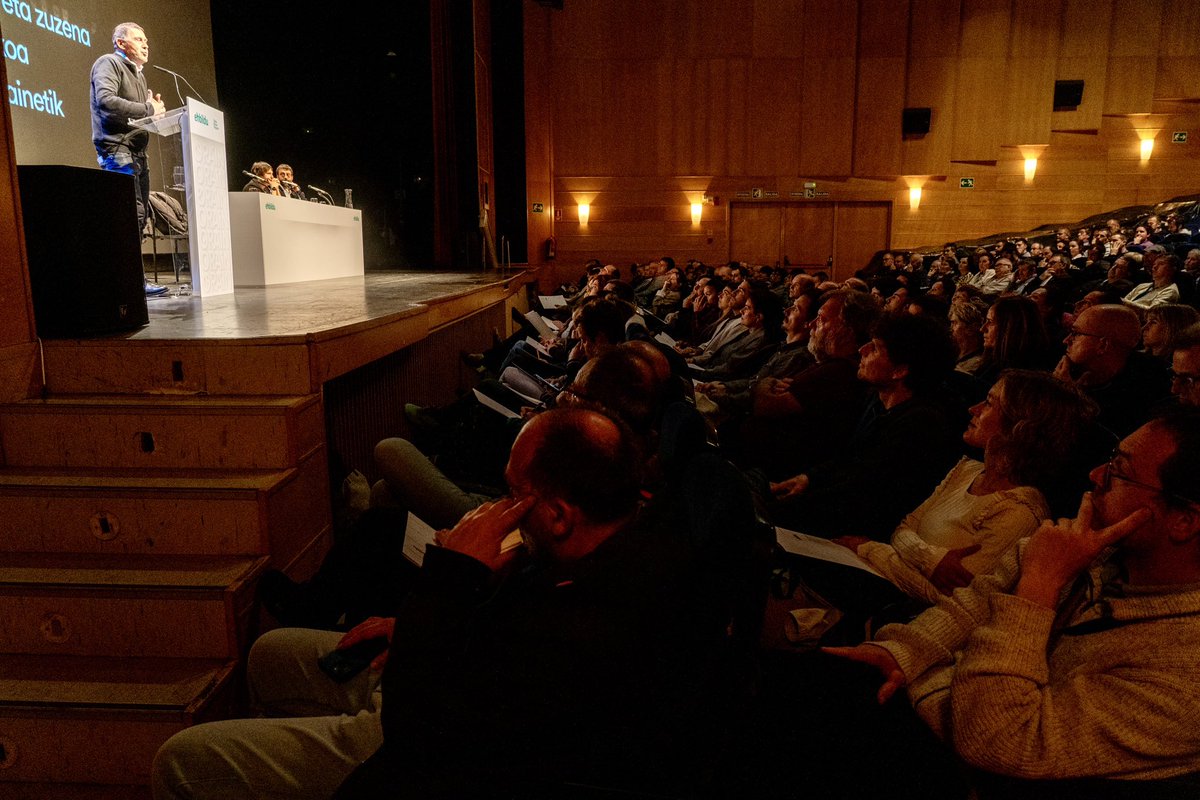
<point x="207" y="187"/>
<point x="283" y="240"/>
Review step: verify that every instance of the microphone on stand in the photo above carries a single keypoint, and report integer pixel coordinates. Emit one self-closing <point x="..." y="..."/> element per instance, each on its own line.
<point x="255" y="178"/>
<point x="179" y="78"/>
<point x="324" y="195"/>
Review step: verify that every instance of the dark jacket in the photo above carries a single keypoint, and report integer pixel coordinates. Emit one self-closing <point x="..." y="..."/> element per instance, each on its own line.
<point x="118" y="95"/>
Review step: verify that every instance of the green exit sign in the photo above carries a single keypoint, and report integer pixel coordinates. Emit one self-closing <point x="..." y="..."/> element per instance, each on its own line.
<point x="1179" y="137"/>
<point x="538" y="208"/>
<point x="966" y="183"/>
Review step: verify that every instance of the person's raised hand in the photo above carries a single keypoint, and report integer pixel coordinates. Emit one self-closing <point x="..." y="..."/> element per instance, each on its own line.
<point x="1059" y="551"/>
<point x="481" y="530"/>
<point x="789" y="488"/>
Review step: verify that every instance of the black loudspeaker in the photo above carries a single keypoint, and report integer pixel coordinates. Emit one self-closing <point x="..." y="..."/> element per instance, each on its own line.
<point x="85" y="259"/>
<point x="915" y="121"/>
<point x="1067" y="95"/>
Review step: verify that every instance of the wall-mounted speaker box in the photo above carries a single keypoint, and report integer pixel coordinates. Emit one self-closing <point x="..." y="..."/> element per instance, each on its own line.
<point x="85" y="260"/>
<point x="915" y="121"/>
<point x="1067" y="95"/>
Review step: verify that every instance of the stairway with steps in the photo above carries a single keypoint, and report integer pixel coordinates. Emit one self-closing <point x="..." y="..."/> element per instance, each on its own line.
<point x="133" y="529"/>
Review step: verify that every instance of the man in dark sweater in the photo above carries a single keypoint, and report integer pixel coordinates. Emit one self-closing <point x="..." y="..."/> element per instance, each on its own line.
<point x="905" y="441"/>
<point x="119" y="94"/>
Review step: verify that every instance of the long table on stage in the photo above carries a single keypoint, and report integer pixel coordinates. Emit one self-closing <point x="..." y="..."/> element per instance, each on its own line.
<point x="284" y="240"/>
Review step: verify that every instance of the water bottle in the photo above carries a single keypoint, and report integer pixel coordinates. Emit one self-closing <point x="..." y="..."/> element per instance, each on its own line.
<point x="349" y="198"/>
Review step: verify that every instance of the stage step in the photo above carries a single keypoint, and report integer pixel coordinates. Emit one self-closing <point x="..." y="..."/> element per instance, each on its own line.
<point x="109" y="432"/>
<point x="126" y="605"/>
<point x="99" y="720"/>
<point x="182" y="512"/>
<point x="280" y="366"/>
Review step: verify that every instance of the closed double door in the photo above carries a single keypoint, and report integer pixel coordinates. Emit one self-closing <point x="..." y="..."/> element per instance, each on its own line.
<point x="807" y="234"/>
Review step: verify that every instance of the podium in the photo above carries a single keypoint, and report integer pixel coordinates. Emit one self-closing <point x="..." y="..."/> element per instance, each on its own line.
<point x="202" y="130"/>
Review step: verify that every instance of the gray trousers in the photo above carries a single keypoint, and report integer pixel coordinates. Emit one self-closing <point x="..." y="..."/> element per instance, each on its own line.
<point x="314" y="732"/>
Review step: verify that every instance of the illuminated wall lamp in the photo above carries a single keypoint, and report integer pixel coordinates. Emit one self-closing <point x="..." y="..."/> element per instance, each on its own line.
<point x="697" y="212"/>
<point x="914" y="198"/>
<point x="585" y="210"/>
<point x="1030" y="169"/>
<point x="1147" y="149"/>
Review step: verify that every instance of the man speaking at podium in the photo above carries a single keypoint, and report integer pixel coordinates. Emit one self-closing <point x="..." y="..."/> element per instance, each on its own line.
<point x="118" y="95"/>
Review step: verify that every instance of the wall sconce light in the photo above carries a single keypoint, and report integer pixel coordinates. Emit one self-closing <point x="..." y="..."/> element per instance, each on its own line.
<point x="914" y="198"/>
<point x="1030" y="169"/>
<point x="1147" y="149"/>
<point x="697" y="212"/>
<point x="585" y="211"/>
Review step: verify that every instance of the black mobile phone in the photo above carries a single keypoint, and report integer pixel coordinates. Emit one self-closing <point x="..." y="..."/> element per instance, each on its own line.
<point x="342" y="665"/>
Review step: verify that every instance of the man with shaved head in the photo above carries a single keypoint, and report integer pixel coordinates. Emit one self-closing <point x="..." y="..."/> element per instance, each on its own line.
<point x="1101" y="360"/>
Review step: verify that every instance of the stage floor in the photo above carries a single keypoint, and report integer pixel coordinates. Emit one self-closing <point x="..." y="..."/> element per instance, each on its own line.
<point x="284" y="311"/>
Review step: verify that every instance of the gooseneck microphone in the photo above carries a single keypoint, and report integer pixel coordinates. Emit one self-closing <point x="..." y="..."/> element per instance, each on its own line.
<point x="179" y="78"/>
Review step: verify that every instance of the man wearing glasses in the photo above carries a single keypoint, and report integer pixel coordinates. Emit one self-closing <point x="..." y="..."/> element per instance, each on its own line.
<point x="1077" y="658"/>
<point x="1100" y="359"/>
<point x="1185" y="367"/>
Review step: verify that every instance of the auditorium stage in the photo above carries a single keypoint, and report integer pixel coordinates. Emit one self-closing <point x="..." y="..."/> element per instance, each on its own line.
<point x="314" y="308"/>
<point x="281" y="339"/>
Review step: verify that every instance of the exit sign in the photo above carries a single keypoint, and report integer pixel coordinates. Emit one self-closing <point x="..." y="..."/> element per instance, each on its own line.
<point x="538" y="208"/>
<point x="966" y="183"/>
<point x="1179" y="137"/>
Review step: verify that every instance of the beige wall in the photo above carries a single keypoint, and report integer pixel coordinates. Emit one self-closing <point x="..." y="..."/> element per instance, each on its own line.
<point x="653" y="105"/>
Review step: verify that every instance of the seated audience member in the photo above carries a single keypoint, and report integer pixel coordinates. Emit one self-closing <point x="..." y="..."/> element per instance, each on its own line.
<point x="508" y="668"/>
<point x="699" y="311"/>
<point x="264" y="180"/>
<point x="1101" y="359"/>
<point x="1014" y="337"/>
<point x="1075" y="659"/>
<point x="903" y="445"/>
<point x="566" y="661"/>
<point x="722" y="398"/>
<point x="669" y="297"/>
<point x="287" y="182"/>
<point x="1116" y="279"/>
<point x="1185" y="367"/>
<point x="1163" y="324"/>
<point x="800" y="421"/>
<point x="761" y="316"/>
<point x="1001" y="278"/>
<point x="1029" y="427"/>
<point x="1161" y="290"/>
<point x="1024" y="274"/>
<point x="728" y="324"/>
<point x="966" y="328"/>
<point x="365" y="570"/>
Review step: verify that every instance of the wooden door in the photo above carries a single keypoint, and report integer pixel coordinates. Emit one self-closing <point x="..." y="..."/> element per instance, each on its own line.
<point x="754" y="232"/>
<point x="862" y="230"/>
<point x="808" y="230"/>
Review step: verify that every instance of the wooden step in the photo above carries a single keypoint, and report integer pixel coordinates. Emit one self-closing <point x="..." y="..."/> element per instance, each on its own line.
<point x="193" y="512"/>
<point x="207" y="432"/>
<point x="100" y="720"/>
<point x="278" y="366"/>
<point x="125" y="606"/>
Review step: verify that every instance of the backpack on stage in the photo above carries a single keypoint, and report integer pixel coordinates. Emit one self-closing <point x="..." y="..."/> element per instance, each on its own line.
<point x="169" y="216"/>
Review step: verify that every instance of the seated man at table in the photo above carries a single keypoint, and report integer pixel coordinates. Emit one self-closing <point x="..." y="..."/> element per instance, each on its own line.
<point x="264" y="180"/>
<point x="287" y="182"/>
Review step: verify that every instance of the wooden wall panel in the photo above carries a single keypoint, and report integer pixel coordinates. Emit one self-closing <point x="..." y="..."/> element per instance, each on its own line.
<point x="754" y="233"/>
<point x="724" y="29"/>
<point x="933" y="28"/>
<point x="930" y="83"/>
<point x="979" y="112"/>
<point x="765" y="104"/>
<point x="883" y="28"/>
<point x="862" y="230"/>
<point x="1085" y="22"/>
<point x="774" y="116"/>
<point x="808" y="229"/>
<point x="880" y="89"/>
<point x="827" y="118"/>
<point x="830" y="28"/>
<point x="776" y="23"/>
<point x="539" y="125"/>
<point x="1179" y="50"/>
<point x="878" y="108"/>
